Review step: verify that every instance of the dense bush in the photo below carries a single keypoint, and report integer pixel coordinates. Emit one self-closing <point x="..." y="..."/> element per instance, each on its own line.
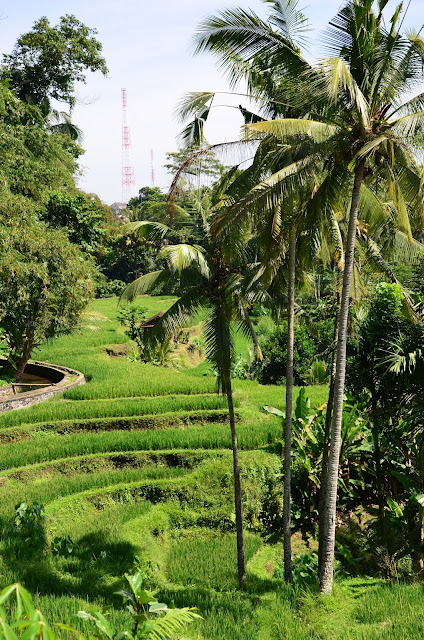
<point x="308" y="349"/>
<point x="108" y="288"/>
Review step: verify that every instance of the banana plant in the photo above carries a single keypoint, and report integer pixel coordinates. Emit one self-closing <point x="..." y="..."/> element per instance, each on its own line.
<point x="308" y="444"/>
<point x="26" y="622"/>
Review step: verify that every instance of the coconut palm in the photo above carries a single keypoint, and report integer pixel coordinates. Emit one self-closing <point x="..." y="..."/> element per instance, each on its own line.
<point x="214" y="277"/>
<point x="368" y="128"/>
<point x="235" y="36"/>
<point x="353" y="120"/>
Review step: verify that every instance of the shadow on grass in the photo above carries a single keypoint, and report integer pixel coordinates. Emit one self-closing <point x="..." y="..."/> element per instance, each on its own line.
<point x="93" y="569"/>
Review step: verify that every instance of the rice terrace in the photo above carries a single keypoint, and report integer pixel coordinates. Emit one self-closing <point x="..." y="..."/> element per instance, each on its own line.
<point x="211" y="391"/>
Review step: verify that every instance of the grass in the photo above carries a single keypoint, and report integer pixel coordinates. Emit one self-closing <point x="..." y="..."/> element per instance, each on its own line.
<point x="136" y="467"/>
<point x="194" y="561"/>
<point x="44" y="446"/>
<point x="52" y="410"/>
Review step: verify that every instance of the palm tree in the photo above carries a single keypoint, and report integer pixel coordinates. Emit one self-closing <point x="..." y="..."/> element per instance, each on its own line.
<point x="214" y="277"/>
<point x="234" y="36"/>
<point x="367" y="128"/>
<point x="353" y="119"/>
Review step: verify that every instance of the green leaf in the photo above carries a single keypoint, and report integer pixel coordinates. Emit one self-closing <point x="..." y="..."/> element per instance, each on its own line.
<point x="286" y="128"/>
<point x="275" y="411"/>
<point x="158" y="607"/>
<point x="394" y="506"/>
<point x="420" y="499"/>
<point x="136" y="582"/>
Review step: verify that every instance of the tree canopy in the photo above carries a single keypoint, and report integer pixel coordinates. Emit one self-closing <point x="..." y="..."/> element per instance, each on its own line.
<point x="48" y="61"/>
<point x="44" y="286"/>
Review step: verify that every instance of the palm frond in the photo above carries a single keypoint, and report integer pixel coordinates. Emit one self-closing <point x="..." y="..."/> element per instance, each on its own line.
<point x="165" y="627"/>
<point x="60" y="122"/>
<point x="184" y="256"/>
<point x="194" y="103"/>
<point x="401" y="208"/>
<point x="192" y="134"/>
<point x="373" y="210"/>
<point x="266" y="195"/>
<point x="185" y="166"/>
<point x="176" y="317"/>
<point x="410" y="125"/>
<point x="144" y="284"/>
<point x="219" y="340"/>
<point x="145" y="229"/>
<point x="287" y="128"/>
<point x="248" y="330"/>
<point x="336" y="78"/>
<point x="405" y="250"/>
<point x="241" y="33"/>
<point x="370" y="147"/>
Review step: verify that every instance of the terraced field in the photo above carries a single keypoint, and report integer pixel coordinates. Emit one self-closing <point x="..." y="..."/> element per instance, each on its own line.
<point x="135" y="469"/>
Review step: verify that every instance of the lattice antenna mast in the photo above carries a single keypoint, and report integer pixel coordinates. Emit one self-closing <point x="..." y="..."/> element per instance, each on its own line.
<point x="152" y="167"/>
<point x="128" y="177"/>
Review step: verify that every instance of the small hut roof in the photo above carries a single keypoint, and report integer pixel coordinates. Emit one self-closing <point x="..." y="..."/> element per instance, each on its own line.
<point x="150" y="322"/>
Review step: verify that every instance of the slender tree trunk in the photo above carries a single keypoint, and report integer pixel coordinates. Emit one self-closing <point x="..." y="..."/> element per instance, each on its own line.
<point x="327" y="428"/>
<point x="241" y="566"/>
<point x="22" y="362"/>
<point x="379" y="476"/>
<point x="256" y="345"/>
<point x="420" y="555"/>
<point x="329" y="531"/>
<point x="288" y="573"/>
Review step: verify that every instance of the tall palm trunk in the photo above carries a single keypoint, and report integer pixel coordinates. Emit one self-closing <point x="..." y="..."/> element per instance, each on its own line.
<point x="329" y="531"/>
<point x="241" y="565"/>
<point x="327" y="428"/>
<point x="288" y="574"/>
<point x="420" y="509"/>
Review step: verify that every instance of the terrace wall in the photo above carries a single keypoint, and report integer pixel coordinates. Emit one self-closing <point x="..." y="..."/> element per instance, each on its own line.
<point x="62" y="379"/>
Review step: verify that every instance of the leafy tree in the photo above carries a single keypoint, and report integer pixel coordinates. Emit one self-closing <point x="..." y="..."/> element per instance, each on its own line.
<point x="204" y="166"/>
<point x="44" y="286"/>
<point x="376" y="371"/>
<point x="308" y="348"/>
<point x="47" y="61"/>
<point x="33" y="161"/>
<point x="132" y="318"/>
<point x="81" y="215"/>
<point x="147" y="194"/>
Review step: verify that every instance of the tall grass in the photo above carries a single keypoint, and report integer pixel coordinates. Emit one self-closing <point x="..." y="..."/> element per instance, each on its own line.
<point x="138" y="462"/>
<point x="194" y="561"/>
<point x="45" y="446"/>
<point x="127" y="379"/>
<point x="54" y="410"/>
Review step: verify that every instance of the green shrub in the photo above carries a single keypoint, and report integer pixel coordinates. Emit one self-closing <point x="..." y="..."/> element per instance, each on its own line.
<point x="308" y="349"/>
<point x="29" y="520"/>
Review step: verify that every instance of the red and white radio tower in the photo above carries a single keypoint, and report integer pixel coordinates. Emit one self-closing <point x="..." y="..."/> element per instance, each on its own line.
<point x="128" y="177"/>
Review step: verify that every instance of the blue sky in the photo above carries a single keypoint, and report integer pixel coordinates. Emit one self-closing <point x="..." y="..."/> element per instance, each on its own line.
<point x="147" y="47"/>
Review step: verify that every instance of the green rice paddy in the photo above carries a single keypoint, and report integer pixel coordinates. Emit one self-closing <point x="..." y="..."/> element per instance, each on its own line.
<point x="136" y="468"/>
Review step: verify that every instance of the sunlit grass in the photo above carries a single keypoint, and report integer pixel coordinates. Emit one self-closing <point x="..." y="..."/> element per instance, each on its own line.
<point x="137" y="462"/>
<point x="54" y="410"/>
